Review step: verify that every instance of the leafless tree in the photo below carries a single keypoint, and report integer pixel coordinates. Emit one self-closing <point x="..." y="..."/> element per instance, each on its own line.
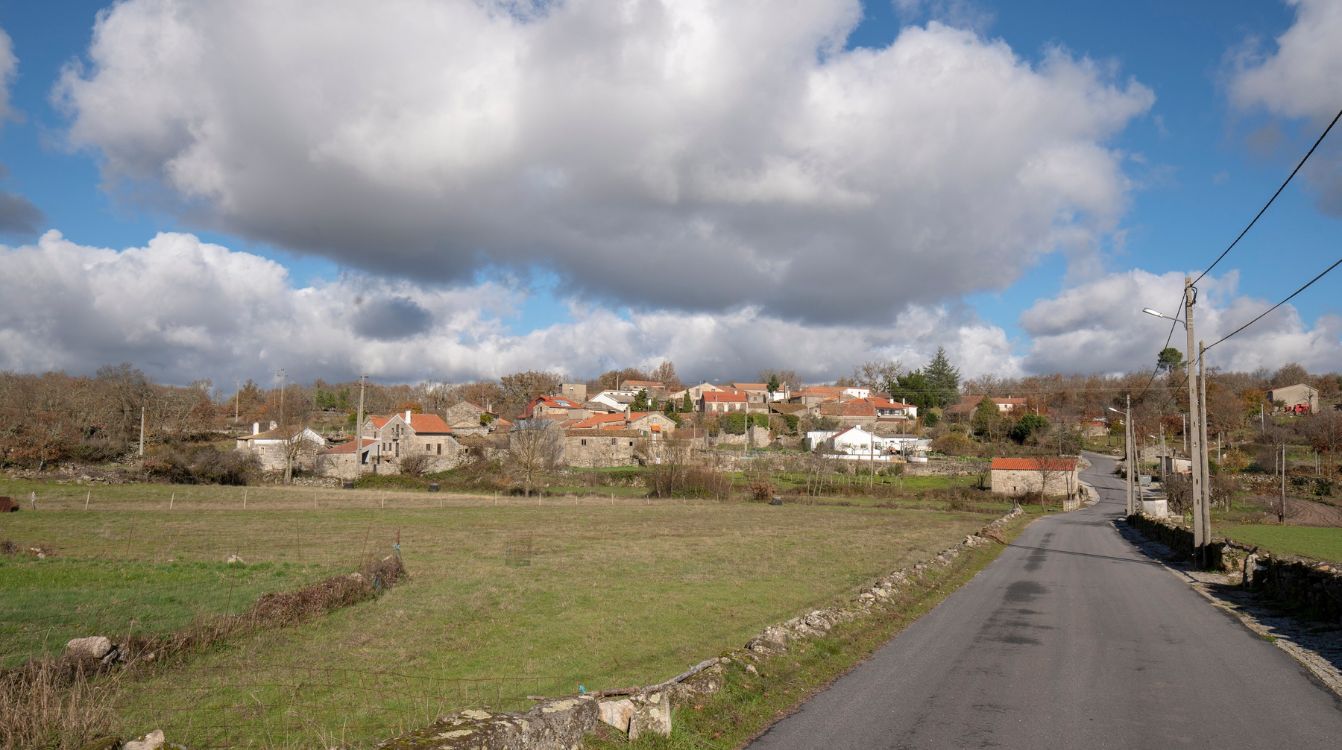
<point x="535" y="446"/>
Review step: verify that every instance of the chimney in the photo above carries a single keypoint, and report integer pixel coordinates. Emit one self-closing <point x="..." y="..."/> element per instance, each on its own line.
<point x="407" y="416"/>
<point x="256" y="428"/>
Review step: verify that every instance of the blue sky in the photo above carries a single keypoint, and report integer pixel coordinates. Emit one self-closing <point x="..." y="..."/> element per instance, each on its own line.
<point x="1194" y="161"/>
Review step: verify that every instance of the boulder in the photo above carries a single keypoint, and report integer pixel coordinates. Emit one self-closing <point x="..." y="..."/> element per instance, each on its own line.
<point x="94" y="646"/>
<point x="152" y="741"/>
<point x="652" y="715"/>
<point x="617" y="713"/>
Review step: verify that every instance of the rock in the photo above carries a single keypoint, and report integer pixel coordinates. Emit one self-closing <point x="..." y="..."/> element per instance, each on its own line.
<point x="652" y="715"/>
<point x="617" y="713"/>
<point x="152" y="741"/>
<point x="751" y="669"/>
<point x="235" y="560"/>
<point x="94" y="646"/>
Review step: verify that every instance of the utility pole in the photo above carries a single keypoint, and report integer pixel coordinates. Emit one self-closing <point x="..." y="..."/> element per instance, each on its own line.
<point x="1281" y="509"/>
<point x="1206" y="445"/>
<point x="1194" y="422"/>
<point x="1132" y="459"/>
<point x="284" y="430"/>
<point x="237" y="398"/>
<point x="141" y="432"/>
<point x="358" y="430"/>
<point x="1184" y="418"/>
<point x="1163" y="459"/>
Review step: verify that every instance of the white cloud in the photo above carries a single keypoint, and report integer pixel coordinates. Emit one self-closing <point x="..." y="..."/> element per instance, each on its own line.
<point x="665" y="155"/>
<point x="1299" y="79"/>
<point x="9" y="67"/>
<point x="1099" y="327"/>
<point x="183" y="309"/>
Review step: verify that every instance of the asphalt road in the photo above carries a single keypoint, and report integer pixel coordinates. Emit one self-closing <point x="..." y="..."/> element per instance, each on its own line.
<point x="1071" y="639"/>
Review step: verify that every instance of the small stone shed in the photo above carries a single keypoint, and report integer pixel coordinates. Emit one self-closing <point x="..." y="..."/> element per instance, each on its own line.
<point x="1053" y="476"/>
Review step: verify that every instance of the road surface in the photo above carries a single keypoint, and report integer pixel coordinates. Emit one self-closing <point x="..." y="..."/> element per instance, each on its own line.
<point x="1071" y="638"/>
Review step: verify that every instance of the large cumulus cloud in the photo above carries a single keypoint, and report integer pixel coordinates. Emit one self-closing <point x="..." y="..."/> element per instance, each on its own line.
<point x="183" y="310"/>
<point x="686" y="155"/>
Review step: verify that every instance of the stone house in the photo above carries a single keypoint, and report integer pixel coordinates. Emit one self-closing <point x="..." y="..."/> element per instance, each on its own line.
<point x="1053" y="476"/>
<point x="575" y="392"/>
<point x="271" y="446"/>
<point x="655" y="388"/>
<point x="1296" y="399"/>
<point x="596" y="448"/>
<point x="642" y="422"/>
<point x="555" y="407"/>
<point x="387" y="441"/>
<point x="722" y="402"/>
<point x="466" y="418"/>
<point x="695" y="392"/>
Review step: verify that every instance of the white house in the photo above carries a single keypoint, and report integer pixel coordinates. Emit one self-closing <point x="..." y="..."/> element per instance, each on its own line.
<point x="615" y="400"/>
<point x="859" y="443"/>
<point x="271" y="446"/>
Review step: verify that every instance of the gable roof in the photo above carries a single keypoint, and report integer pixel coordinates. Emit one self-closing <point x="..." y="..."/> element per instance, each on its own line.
<point x="428" y="424"/>
<point x="724" y="396"/>
<point x="610" y="421"/>
<point x="379" y="422"/>
<point x="881" y="402"/>
<point x="1048" y="463"/>
<point x="642" y="384"/>
<point x="347" y="448"/>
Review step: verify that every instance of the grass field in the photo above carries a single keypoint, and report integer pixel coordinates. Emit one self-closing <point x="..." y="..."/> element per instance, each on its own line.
<point x="1315" y="542"/>
<point x="507" y="597"/>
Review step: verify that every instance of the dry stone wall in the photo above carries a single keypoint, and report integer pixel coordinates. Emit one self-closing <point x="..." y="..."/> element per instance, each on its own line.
<point x="1309" y="586"/>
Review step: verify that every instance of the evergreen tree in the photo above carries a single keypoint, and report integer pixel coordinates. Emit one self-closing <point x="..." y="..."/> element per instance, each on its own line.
<point x="640" y="401"/>
<point x="943" y="379"/>
<point x="774" y="385"/>
<point x="687" y="405"/>
<point x="912" y="388"/>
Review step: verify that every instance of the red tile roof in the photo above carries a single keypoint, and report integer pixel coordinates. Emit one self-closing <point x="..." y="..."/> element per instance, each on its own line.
<point x="428" y="424"/>
<point x="724" y="396"/>
<point x="379" y="422"/>
<point x="885" y="403"/>
<point x="1049" y="463"/>
<point x="347" y="447"/>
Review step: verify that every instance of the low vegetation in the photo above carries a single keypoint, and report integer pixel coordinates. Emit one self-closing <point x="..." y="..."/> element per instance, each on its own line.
<point x="521" y="598"/>
<point x="1318" y="543"/>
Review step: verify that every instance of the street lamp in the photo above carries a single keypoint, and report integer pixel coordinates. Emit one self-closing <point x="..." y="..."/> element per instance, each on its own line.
<point x="1197" y="417"/>
<point x="1160" y="314"/>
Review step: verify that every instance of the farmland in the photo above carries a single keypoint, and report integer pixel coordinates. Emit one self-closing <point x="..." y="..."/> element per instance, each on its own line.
<point x="1316" y="542"/>
<point x="507" y="596"/>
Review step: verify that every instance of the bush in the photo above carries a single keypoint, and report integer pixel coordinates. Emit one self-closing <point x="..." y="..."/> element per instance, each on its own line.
<point x="415" y="465"/>
<point x="953" y="444"/>
<point x="204" y="465"/>
<point x="762" y="490"/>
<point x="735" y="422"/>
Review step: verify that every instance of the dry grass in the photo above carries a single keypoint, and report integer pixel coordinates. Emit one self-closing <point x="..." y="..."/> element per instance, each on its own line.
<point x="605" y="593"/>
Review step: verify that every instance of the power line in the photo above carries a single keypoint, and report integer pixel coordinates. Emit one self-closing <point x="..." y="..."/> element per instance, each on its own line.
<point x="1263" y="314"/>
<point x="1271" y="200"/>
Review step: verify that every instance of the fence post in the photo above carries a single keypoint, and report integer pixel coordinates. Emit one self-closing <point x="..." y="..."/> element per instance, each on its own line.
<point x="244" y="498"/>
<point x="87" y="496"/>
<point x="172" y="500"/>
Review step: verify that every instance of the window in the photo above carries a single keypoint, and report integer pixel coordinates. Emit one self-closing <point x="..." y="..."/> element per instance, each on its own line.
<point x="429" y="448"/>
<point x="584" y="441"/>
<point x="440" y="449"/>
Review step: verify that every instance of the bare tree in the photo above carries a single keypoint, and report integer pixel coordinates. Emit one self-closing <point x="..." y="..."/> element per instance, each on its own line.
<point x="535" y="446"/>
<point x="875" y="374"/>
<point x="520" y="387"/>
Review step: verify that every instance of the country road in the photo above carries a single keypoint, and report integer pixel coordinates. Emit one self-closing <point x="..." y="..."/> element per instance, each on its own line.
<point x="1071" y="639"/>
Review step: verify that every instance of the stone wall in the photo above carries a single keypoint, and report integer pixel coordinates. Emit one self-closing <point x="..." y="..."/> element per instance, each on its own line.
<point x="1310" y="586"/>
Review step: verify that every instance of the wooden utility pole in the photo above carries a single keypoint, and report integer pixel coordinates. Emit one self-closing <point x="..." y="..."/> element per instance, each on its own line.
<point x="141" y="432"/>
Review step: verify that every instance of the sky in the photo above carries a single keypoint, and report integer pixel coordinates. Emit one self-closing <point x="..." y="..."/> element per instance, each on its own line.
<point x="446" y="190"/>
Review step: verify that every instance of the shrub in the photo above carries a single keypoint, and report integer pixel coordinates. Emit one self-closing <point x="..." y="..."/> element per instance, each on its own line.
<point x="762" y="490"/>
<point x="415" y="465"/>
<point x="204" y="465"/>
<point x="735" y="422"/>
<point x="953" y="444"/>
